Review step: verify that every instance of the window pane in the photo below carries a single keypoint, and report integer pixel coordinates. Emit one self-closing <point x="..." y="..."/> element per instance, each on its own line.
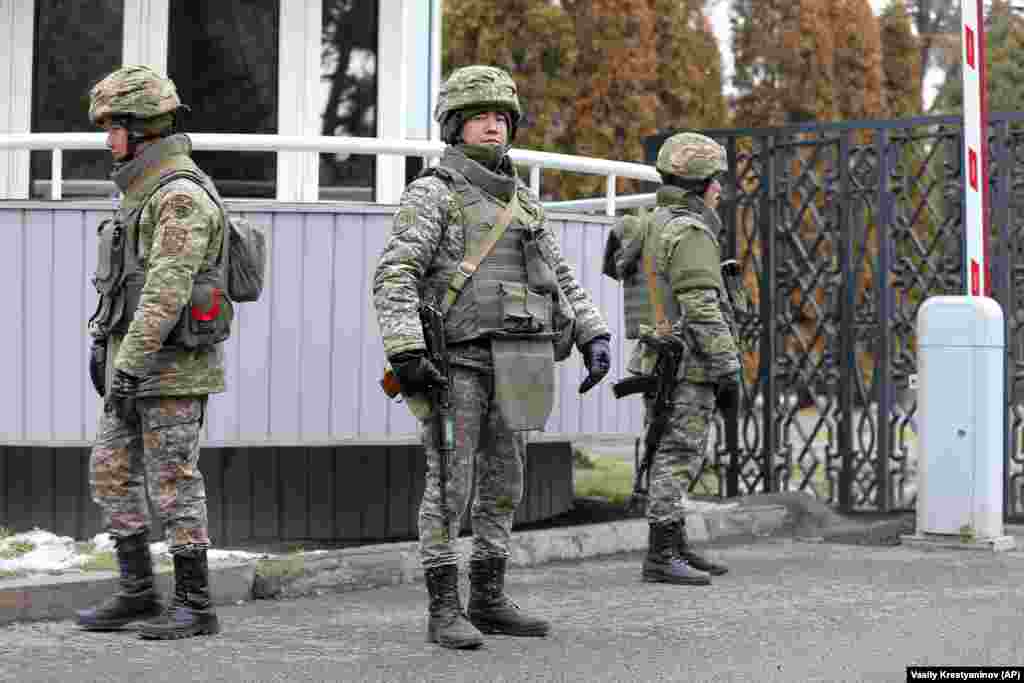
<point x="348" y="95"/>
<point x="76" y="44"/>
<point x="223" y="57"/>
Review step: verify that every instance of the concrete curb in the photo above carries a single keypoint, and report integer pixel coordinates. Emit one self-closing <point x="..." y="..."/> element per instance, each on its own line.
<point x="59" y="596"/>
<point x="398" y="563"/>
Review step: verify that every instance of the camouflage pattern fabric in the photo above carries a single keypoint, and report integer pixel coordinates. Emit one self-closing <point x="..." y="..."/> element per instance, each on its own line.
<point x="484" y="446"/>
<point x="687" y="249"/>
<point x="428" y="242"/>
<point x="134" y="91"/>
<point x="161" y="447"/>
<point x="477" y="87"/>
<point x="681" y="448"/>
<point x="180" y="228"/>
<point x="691" y="156"/>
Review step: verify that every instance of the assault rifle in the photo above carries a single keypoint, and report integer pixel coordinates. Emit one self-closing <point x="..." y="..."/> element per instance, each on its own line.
<point x="441" y="399"/>
<point x="659" y="386"/>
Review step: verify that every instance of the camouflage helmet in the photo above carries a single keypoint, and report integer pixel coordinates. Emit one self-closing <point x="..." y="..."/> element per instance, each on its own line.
<point x="136" y="91"/>
<point x="691" y="156"/>
<point x="478" y="87"/>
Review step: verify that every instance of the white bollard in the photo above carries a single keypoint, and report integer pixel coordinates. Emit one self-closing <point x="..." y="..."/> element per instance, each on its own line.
<point x="961" y="351"/>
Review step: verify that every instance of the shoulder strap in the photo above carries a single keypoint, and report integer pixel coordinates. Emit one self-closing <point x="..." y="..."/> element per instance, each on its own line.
<point x="198" y="180"/>
<point x="466" y="269"/>
<point x="657" y="303"/>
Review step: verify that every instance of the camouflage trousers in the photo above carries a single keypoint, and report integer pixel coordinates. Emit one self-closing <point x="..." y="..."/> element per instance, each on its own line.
<point x="487" y="454"/>
<point x="161" y="448"/>
<point x="681" y="448"/>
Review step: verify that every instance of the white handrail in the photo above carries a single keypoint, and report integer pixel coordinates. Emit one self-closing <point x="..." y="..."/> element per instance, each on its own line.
<point x="238" y="142"/>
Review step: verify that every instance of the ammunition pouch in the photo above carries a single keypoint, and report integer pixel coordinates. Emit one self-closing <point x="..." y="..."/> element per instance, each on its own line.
<point x="118" y="280"/>
<point x="206" y="319"/>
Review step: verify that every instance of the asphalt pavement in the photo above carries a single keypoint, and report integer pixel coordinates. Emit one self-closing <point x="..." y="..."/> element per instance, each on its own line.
<point x="788" y="611"/>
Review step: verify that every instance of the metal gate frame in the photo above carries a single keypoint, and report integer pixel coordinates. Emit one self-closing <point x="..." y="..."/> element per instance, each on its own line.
<point x="851" y="226"/>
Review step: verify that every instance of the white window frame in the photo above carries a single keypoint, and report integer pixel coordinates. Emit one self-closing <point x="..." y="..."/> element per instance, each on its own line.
<point x="402" y="27"/>
<point x="146" y="33"/>
<point x="17" y="22"/>
<point x="297" y="97"/>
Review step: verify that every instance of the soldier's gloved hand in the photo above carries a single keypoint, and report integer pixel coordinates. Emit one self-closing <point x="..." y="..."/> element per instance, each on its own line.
<point x="416" y="374"/>
<point x="121" y="395"/>
<point x="597" y="357"/>
<point x="727" y="395"/>
<point x="98" y="365"/>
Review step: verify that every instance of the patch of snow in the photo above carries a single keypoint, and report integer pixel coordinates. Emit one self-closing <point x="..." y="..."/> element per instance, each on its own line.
<point x="52" y="553"/>
<point x="49" y="553"/>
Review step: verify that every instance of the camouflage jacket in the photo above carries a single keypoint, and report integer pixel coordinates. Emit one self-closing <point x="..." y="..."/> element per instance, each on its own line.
<point x="179" y="228"/>
<point x="687" y="250"/>
<point x="427" y="244"/>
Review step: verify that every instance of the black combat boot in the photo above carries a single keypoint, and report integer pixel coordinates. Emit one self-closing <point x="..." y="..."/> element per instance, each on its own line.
<point x="137" y="599"/>
<point x="693" y="558"/>
<point x="190" y="612"/>
<point x="490" y="610"/>
<point x="447" y="625"/>
<point x="663" y="564"/>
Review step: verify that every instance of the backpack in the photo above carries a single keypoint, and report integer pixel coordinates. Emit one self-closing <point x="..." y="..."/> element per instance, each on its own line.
<point x="244" y="255"/>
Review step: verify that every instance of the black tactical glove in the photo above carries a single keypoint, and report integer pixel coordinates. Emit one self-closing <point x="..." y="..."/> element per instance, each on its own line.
<point x="727" y="395"/>
<point x="98" y="365"/>
<point x="416" y="374"/>
<point x="121" y="395"/>
<point x="598" y="359"/>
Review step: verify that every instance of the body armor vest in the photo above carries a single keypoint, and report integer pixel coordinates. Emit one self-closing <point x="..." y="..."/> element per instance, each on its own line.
<point x="501" y="296"/>
<point x="644" y="241"/>
<point x="121" y="273"/>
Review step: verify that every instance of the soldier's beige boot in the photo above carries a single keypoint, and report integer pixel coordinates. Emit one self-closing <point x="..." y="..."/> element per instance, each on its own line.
<point x="447" y="625"/>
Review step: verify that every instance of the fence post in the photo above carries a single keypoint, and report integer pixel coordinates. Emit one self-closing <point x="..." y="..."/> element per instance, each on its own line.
<point x="730" y="242"/>
<point x="848" y="366"/>
<point x="1002" y="289"/>
<point x="766" y="226"/>
<point x="886" y="305"/>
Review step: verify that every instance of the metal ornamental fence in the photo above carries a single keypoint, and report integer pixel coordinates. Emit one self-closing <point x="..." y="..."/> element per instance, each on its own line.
<point x="843" y="230"/>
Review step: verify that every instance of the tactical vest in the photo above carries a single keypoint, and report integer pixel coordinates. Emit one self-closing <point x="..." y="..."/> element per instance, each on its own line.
<point x="635" y="291"/>
<point x="499" y="297"/>
<point x="121" y="275"/>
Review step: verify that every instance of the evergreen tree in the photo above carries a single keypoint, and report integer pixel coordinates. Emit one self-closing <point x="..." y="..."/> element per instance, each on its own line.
<point x="689" y="82"/>
<point x="595" y="76"/>
<point x="784" y="59"/>
<point x="938" y="30"/>
<point x="1004" y="40"/>
<point x="901" y="61"/>
<point x="483" y="32"/>
<point x="806" y="60"/>
<point x="858" y="60"/>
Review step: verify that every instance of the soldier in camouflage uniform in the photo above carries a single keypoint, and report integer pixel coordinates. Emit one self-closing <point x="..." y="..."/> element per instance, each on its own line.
<point x="680" y="242"/>
<point x="443" y="214"/>
<point x="155" y="389"/>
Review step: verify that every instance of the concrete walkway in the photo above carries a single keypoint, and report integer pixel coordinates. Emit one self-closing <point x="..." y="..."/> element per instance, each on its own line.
<point x="788" y="611"/>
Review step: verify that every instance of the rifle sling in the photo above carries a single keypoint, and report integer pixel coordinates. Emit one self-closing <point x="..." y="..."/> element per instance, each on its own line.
<point x="657" y="303"/>
<point x="473" y="261"/>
